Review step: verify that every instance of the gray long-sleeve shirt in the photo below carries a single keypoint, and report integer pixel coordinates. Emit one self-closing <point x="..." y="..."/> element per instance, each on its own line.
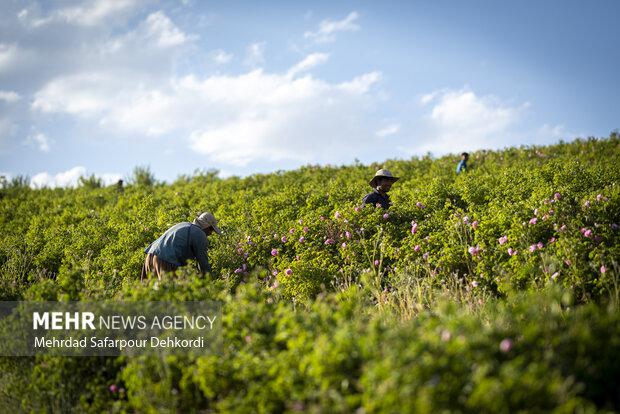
<point x="181" y="242"/>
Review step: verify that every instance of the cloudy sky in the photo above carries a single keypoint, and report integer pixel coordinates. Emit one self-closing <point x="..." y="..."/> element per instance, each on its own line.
<point x="101" y="86"/>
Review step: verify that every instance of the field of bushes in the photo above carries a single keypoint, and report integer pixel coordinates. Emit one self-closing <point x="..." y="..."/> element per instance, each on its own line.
<point x="494" y="290"/>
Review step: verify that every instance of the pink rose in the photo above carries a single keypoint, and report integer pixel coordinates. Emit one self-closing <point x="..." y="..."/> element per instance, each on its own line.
<point x="445" y="335"/>
<point x="506" y="345"/>
<point x="502" y="240"/>
<point x="289" y="272"/>
<point x="416" y="248"/>
<point x="473" y="250"/>
<point x="533" y="220"/>
<point x="274" y="252"/>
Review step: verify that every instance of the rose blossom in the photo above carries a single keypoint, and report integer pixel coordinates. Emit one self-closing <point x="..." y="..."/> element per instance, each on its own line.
<point x="506" y="345"/>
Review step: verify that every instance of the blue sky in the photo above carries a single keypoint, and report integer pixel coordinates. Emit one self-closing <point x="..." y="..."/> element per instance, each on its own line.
<point x="99" y="87"/>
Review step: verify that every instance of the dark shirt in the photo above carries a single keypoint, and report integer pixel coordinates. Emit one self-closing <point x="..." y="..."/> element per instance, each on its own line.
<point x="181" y="242"/>
<point x="462" y="165"/>
<point x="376" y="197"/>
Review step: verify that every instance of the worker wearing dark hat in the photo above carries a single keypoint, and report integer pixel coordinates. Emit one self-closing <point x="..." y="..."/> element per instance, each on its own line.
<point x="381" y="184"/>
<point x="179" y="243"/>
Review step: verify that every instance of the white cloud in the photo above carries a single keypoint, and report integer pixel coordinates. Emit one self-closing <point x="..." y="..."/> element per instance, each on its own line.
<point x="156" y="32"/>
<point x="9" y="96"/>
<point x="161" y="30"/>
<point x="361" y="84"/>
<point x="87" y="13"/>
<point x="63" y="179"/>
<point x="328" y="28"/>
<point x="235" y="120"/>
<point x="221" y="57"/>
<point x="553" y="131"/>
<point x="69" y="178"/>
<point x="40" y="140"/>
<point x="309" y="62"/>
<point x="9" y="55"/>
<point x="110" y="178"/>
<point x="388" y="130"/>
<point x="81" y="94"/>
<point x="462" y="120"/>
<point x="255" y="54"/>
<point x="427" y="98"/>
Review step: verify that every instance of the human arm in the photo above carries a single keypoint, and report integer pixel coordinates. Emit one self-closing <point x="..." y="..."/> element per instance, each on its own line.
<point x="199" y="247"/>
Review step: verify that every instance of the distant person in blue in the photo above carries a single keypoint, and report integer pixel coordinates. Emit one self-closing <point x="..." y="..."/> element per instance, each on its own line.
<point x="381" y="184"/>
<point x="179" y="243"/>
<point x="462" y="165"/>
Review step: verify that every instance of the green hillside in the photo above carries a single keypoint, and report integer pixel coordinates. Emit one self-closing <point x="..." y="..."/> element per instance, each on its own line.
<point x="494" y="290"/>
